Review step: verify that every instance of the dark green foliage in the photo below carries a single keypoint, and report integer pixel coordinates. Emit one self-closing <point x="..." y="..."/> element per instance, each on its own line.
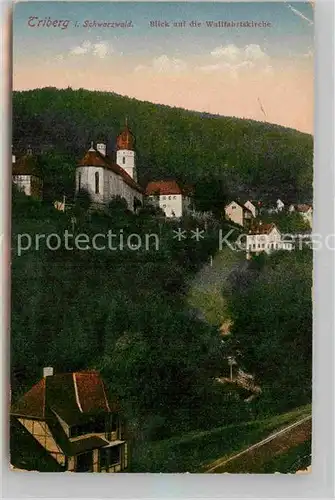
<point x="210" y="195"/>
<point x="121" y="311"/>
<point x="271" y="309"/>
<point x="263" y="160"/>
<point x="83" y="200"/>
<point x="287" y="223"/>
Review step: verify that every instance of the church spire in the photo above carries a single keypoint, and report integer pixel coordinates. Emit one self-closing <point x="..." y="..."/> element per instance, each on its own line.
<point x="125" y="140"/>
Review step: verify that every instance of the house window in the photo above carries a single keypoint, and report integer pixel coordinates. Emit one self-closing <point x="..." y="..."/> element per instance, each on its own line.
<point x="109" y="456"/>
<point x="164" y="197"/>
<point x="169" y="197"/>
<point x="175" y="197"/>
<point x="96" y="182"/>
<point x="79" y="181"/>
<point x="94" y="425"/>
<point x="233" y="207"/>
<point x="85" y="462"/>
<point x="123" y="160"/>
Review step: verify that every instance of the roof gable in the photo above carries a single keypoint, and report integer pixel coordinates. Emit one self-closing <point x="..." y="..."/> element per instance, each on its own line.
<point x="263" y="229"/>
<point x="70" y="395"/>
<point x="244" y="208"/>
<point x="32" y="403"/>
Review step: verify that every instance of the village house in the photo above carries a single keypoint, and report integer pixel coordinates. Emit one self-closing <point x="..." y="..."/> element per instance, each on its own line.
<point x="265" y="238"/>
<point x="170" y="197"/>
<point x="69" y="421"/>
<point x="103" y="178"/>
<point x="238" y="213"/>
<point x="280" y="205"/>
<point x="25" y="175"/>
<point x="253" y="206"/>
<point x="306" y="212"/>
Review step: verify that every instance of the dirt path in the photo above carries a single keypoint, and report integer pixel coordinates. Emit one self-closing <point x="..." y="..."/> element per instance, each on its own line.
<point x="251" y="459"/>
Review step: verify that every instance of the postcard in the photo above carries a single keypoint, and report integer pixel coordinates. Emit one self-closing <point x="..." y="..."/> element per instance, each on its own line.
<point x="162" y="209"/>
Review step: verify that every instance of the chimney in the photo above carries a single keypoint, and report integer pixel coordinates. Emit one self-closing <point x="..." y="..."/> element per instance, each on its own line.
<point x="48" y="371"/>
<point x="101" y="148"/>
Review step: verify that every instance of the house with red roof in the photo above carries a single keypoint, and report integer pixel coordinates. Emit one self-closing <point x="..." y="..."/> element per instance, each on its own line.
<point x="104" y="178"/>
<point x="68" y="422"/>
<point x="26" y="176"/>
<point x="174" y="200"/>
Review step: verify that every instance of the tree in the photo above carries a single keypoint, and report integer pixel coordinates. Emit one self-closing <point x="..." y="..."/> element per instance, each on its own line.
<point x="210" y="196"/>
<point x="83" y="201"/>
<point x="272" y="326"/>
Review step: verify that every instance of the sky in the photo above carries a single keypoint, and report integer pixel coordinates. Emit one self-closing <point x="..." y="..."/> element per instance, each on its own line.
<point x="264" y="73"/>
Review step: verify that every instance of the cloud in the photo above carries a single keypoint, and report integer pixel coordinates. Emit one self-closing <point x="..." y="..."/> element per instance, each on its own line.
<point x="230" y="53"/>
<point x="233" y="59"/>
<point x="164" y="64"/>
<point x="101" y="49"/>
<point x="84" y="48"/>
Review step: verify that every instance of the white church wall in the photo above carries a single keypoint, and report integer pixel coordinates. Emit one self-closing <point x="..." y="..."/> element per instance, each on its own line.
<point x="115" y="186"/>
<point x="86" y="180"/>
<point x="111" y="185"/>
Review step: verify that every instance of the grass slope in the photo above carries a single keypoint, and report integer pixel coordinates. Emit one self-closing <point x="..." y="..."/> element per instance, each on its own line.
<point x="193" y="451"/>
<point x="205" y="292"/>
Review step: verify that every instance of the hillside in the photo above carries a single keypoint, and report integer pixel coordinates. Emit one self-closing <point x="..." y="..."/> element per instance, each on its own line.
<point x="260" y="159"/>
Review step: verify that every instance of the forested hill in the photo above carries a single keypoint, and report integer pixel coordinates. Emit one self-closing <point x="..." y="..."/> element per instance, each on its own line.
<point x="251" y="157"/>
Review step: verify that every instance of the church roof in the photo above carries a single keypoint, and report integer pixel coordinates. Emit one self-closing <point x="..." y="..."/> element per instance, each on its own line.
<point x="93" y="158"/>
<point x="70" y="395"/>
<point x="162" y="187"/>
<point x="26" y="165"/>
<point x="125" y="140"/>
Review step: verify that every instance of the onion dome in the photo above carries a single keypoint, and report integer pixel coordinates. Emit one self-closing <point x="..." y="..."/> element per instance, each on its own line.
<point x="125" y="140"/>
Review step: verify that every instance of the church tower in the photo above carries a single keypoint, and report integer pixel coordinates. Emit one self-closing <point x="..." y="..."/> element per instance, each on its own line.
<point x="125" y="154"/>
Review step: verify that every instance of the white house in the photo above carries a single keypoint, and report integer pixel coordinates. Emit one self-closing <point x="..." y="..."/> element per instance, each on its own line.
<point x="253" y="206"/>
<point x="25" y="175"/>
<point x="306" y="212"/>
<point x="170" y="197"/>
<point x="103" y="178"/>
<point x="238" y="213"/>
<point x="280" y="205"/>
<point x="266" y="238"/>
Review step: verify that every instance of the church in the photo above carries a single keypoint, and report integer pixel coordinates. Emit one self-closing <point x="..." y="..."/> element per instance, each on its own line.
<point x="103" y="178"/>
